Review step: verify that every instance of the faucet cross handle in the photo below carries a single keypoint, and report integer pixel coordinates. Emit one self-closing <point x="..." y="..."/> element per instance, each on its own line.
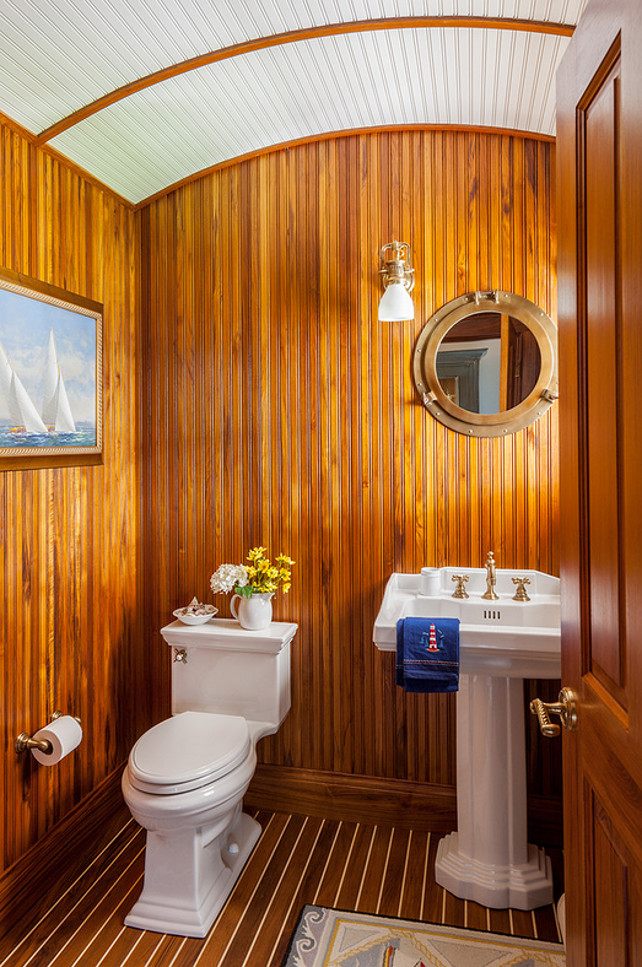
<point x="460" y="590"/>
<point x="520" y="593"/>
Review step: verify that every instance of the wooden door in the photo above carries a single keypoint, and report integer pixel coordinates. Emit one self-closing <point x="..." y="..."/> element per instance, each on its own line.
<point x="600" y="315"/>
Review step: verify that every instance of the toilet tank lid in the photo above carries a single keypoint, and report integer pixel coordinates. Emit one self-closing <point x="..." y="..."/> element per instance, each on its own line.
<point x="225" y="634"/>
<point x="188" y="750"/>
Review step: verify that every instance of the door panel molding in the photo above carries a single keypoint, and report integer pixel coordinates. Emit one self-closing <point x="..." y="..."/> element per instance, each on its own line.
<point x="599" y="117"/>
<point x="600" y="409"/>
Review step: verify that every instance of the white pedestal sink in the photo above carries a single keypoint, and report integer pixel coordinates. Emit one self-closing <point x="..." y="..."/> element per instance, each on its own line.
<point x="489" y="859"/>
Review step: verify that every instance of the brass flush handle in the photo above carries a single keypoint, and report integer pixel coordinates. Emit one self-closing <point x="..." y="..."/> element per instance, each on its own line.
<point x="565" y="707"/>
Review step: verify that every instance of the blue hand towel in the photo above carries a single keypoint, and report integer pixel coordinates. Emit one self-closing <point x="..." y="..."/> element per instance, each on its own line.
<point x="428" y="654"/>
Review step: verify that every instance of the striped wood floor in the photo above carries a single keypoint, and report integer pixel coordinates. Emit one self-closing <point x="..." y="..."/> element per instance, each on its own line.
<point x="298" y="860"/>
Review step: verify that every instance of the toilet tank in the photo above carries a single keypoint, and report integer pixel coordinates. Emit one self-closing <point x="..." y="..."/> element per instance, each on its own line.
<point x="219" y="667"/>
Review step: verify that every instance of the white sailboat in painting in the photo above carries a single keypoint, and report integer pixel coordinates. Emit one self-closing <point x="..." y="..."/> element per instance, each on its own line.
<point x="56" y="412"/>
<point x="22" y="412"/>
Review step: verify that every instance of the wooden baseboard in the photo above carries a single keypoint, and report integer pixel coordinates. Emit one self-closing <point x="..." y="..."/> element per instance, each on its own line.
<point x="37" y="879"/>
<point x="389" y="802"/>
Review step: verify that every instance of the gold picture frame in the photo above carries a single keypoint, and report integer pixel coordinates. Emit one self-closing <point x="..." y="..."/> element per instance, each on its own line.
<point x="51" y="378"/>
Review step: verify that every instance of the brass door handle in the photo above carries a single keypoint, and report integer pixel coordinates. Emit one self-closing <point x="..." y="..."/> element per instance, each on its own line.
<point x="565" y="707"/>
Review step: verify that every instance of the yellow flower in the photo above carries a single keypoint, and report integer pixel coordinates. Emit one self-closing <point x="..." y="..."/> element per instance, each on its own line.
<point x="284" y="559"/>
<point x="263" y="575"/>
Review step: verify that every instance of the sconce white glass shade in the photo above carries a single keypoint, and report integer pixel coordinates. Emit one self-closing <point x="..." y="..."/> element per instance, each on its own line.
<point x="396" y="305"/>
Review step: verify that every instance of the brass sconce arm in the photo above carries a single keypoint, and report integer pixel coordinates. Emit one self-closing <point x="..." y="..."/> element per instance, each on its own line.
<point x="397" y="267"/>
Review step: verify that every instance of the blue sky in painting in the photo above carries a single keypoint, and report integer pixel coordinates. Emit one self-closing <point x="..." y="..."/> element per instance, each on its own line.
<point x="24" y="335"/>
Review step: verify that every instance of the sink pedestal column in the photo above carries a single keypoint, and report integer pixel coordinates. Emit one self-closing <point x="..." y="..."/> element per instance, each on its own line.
<point x="489" y="859"/>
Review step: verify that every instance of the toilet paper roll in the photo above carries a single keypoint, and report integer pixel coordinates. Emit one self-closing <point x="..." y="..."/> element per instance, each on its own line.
<point x="65" y="734"/>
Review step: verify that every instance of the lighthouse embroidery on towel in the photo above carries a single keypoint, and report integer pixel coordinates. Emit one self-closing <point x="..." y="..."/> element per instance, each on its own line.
<point x="432" y="639"/>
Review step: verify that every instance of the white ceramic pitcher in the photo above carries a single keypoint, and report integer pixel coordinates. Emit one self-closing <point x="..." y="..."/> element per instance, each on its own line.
<point x="253" y="613"/>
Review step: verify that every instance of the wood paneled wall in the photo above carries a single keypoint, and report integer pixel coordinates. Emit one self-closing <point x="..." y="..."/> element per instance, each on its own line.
<point x="276" y="410"/>
<point x="71" y="614"/>
<point x="280" y="412"/>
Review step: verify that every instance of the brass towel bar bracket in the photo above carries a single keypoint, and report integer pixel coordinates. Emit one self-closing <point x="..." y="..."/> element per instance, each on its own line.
<point x="25" y="741"/>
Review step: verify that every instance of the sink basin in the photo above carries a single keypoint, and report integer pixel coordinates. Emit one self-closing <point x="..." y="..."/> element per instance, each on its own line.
<point x="488" y="859"/>
<point x="514" y="639"/>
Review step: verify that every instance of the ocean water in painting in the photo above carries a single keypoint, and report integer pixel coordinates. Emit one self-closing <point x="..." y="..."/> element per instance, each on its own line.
<point x="85" y="436"/>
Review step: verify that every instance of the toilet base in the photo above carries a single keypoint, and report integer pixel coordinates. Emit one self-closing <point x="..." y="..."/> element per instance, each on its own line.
<point x="186" y="882"/>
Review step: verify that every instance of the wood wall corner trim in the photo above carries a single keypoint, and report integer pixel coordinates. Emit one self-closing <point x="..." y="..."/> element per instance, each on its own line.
<point x="48" y="150"/>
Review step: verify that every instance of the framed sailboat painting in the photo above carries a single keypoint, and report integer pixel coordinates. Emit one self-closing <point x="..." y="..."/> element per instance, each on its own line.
<point x="50" y="375"/>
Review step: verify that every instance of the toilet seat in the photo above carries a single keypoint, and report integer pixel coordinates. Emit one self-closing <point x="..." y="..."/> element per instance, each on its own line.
<point x="187" y="751"/>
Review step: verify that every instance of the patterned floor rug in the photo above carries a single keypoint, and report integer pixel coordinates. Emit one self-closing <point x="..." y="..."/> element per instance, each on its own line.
<point x="332" y="938"/>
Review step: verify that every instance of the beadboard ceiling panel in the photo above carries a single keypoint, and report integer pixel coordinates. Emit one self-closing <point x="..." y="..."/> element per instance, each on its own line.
<point x="434" y="76"/>
<point x="59" y="56"/>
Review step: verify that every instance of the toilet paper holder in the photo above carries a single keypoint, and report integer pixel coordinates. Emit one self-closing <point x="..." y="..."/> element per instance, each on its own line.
<point x="25" y="741"/>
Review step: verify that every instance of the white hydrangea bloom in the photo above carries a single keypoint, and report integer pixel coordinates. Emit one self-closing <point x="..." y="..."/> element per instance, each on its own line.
<point x="227" y="577"/>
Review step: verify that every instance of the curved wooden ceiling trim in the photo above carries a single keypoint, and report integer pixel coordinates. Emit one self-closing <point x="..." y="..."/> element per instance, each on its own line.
<point x="346" y="133"/>
<point x="291" y="37"/>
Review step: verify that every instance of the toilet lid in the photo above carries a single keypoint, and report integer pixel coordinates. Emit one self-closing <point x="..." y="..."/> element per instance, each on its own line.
<point x="188" y="750"/>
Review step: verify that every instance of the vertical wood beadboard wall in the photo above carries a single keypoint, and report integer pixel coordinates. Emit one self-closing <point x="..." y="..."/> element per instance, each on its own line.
<point x="71" y="614"/>
<point x="280" y="412"/>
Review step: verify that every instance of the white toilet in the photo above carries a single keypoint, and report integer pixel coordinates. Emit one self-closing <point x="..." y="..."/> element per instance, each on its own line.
<point x="186" y="777"/>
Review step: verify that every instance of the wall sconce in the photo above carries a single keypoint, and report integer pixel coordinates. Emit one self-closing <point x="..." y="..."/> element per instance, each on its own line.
<point x="398" y="278"/>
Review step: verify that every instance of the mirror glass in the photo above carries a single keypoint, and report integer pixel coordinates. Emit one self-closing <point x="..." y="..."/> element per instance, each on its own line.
<point x="486" y="363"/>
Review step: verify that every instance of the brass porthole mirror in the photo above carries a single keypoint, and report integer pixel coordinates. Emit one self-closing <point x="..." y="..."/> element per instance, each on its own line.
<point x="486" y="363"/>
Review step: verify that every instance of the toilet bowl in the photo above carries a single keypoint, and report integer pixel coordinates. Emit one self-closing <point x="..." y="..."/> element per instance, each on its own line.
<point x="186" y="777"/>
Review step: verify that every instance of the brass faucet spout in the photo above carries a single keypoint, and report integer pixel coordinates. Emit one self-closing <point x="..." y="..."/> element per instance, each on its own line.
<point x="491" y="578"/>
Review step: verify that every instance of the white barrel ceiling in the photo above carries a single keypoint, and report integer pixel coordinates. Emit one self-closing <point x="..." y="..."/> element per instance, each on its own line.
<point x="60" y="55"/>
